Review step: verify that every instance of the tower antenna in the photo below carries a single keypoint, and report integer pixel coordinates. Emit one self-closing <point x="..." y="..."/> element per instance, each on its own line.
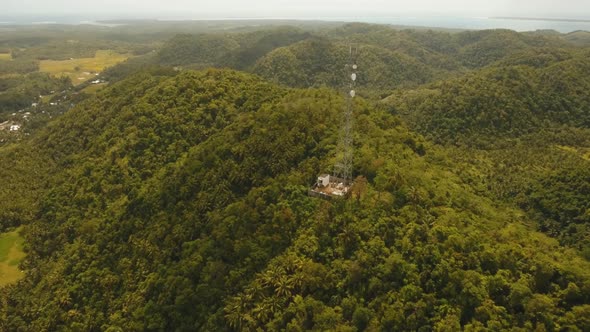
<point x="339" y="184"/>
<point x="344" y="164"/>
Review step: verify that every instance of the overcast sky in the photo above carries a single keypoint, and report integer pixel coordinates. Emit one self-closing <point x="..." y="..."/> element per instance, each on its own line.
<point x="300" y="8"/>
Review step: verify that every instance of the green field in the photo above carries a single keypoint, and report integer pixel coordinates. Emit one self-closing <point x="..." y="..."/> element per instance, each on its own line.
<point x="5" y="56"/>
<point x="11" y="253"/>
<point x="93" y="88"/>
<point x="82" y="69"/>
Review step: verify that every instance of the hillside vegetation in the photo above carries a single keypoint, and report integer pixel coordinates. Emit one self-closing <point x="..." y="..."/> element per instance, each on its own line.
<point x="175" y="198"/>
<point x="182" y="205"/>
<point x="517" y="96"/>
<point x="391" y="58"/>
<point x="522" y="122"/>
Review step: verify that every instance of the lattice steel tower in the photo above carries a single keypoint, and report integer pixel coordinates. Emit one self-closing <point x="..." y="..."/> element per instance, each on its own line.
<point x="344" y="154"/>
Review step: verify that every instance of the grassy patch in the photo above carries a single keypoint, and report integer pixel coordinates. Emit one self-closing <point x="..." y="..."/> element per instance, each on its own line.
<point x="47" y="98"/>
<point x="582" y="152"/>
<point x="11" y="253"/>
<point x="93" y="88"/>
<point x="5" y="56"/>
<point x="83" y="69"/>
<point x="10" y="75"/>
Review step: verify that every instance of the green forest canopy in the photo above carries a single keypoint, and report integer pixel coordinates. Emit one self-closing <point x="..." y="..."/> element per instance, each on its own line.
<point x="177" y="200"/>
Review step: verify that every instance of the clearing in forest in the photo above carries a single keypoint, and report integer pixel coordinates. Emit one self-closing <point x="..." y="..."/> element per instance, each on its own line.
<point x="82" y="69"/>
<point x="11" y="253"/>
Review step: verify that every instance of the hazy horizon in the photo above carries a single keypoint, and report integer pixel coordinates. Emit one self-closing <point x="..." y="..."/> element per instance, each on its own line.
<point x="179" y="9"/>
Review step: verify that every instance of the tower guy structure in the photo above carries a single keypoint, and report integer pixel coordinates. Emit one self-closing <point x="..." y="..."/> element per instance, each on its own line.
<point x="339" y="183"/>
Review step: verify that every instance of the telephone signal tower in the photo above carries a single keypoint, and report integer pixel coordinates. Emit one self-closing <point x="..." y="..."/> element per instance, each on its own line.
<point x="344" y="164"/>
<point x="339" y="184"/>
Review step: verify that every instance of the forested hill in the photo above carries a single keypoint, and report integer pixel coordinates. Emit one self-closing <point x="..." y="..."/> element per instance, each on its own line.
<point x="237" y="50"/>
<point x="178" y="201"/>
<point x="391" y="58"/>
<point x="515" y="96"/>
<point x="175" y="196"/>
<point x="523" y="127"/>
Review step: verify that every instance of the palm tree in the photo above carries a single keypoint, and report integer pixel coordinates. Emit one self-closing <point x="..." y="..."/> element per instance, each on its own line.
<point x="262" y="312"/>
<point x="236" y="311"/>
<point x="415" y="196"/>
<point x="274" y="304"/>
<point x="254" y="290"/>
<point x="272" y="275"/>
<point x="283" y="286"/>
<point x="297" y="280"/>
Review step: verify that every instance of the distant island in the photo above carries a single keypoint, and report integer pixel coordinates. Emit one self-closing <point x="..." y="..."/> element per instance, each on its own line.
<point x="541" y="19"/>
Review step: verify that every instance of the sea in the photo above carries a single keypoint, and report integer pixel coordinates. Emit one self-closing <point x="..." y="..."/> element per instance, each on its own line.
<point x="481" y="23"/>
<point x="565" y="25"/>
